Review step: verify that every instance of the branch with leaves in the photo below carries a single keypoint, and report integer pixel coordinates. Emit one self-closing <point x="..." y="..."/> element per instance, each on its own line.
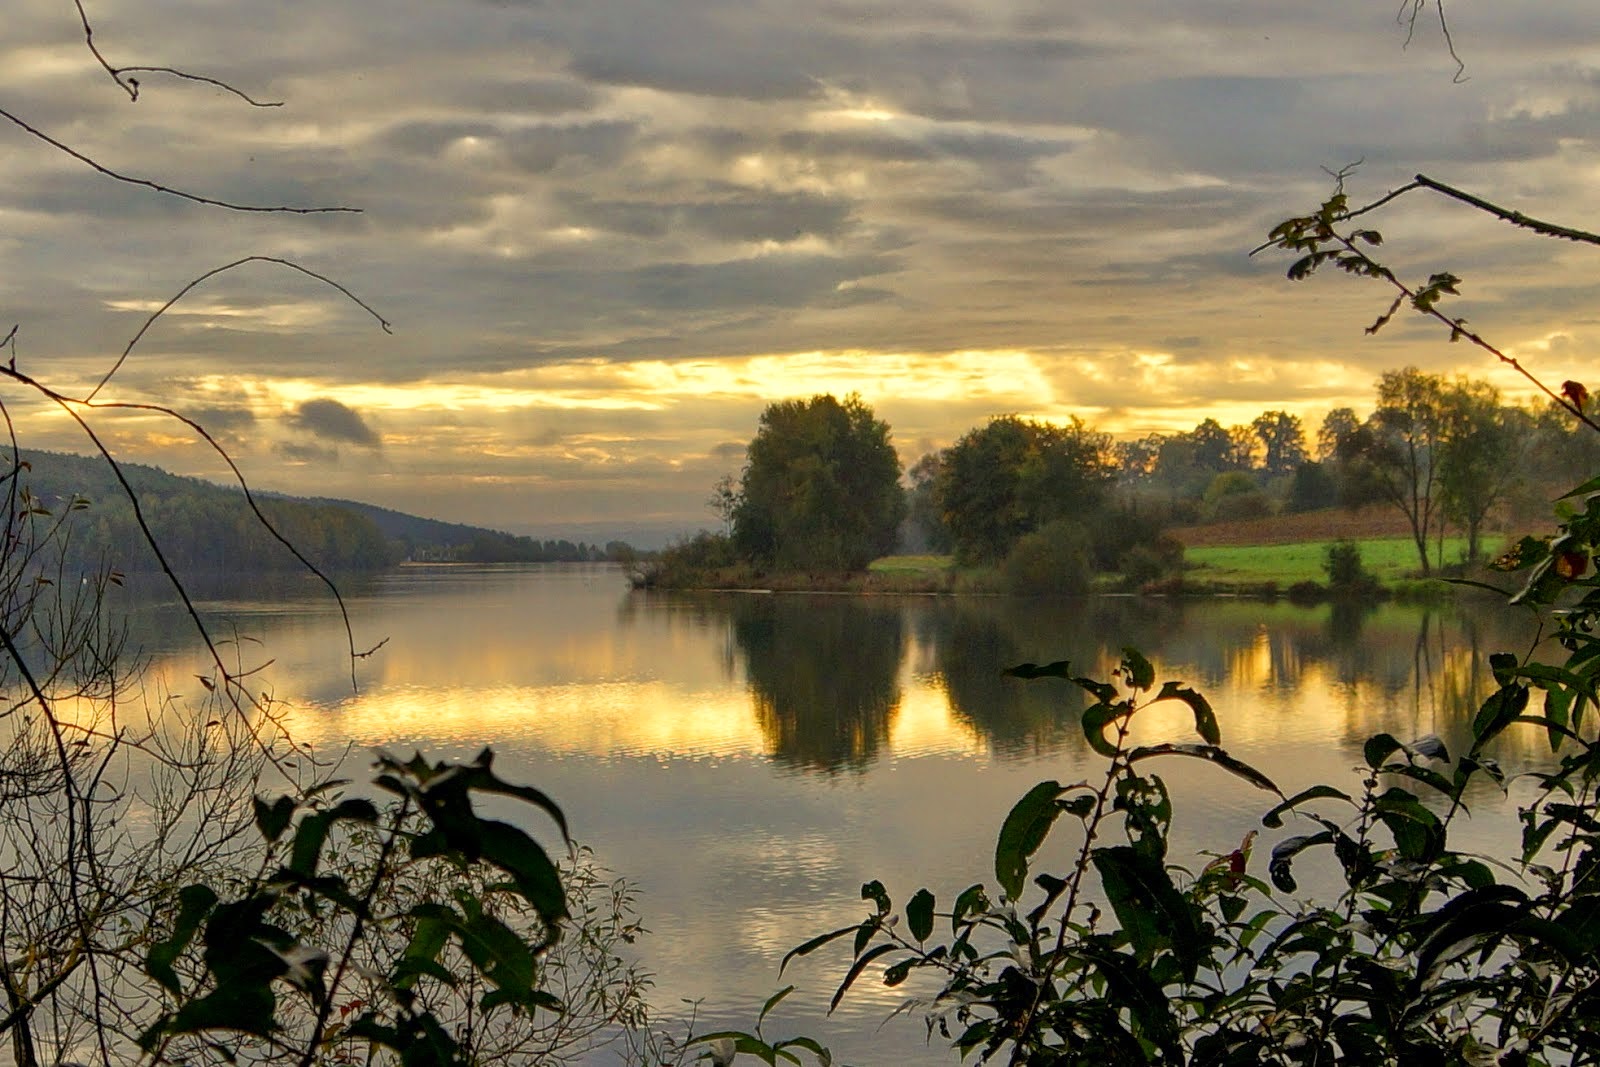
<point x="1325" y="238"/>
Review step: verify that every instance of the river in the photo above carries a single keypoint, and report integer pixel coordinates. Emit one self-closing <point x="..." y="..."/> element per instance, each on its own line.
<point x="748" y="760"/>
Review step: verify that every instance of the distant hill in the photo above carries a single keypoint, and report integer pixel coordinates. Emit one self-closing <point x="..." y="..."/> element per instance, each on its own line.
<point x="439" y="540"/>
<point x="203" y="526"/>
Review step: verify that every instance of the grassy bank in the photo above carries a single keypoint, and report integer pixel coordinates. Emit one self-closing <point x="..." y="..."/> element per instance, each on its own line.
<point x="1389" y="559"/>
<point x="1216" y="568"/>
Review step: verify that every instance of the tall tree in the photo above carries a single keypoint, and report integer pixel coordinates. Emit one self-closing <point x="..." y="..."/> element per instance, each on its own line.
<point x="1283" y="441"/>
<point x="1214" y="447"/>
<point x="1014" y="475"/>
<point x="821" y="488"/>
<point x="1337" y="426"/>
<point x="1408" y="430"/>
<point x="1481" y="458"/>
<point x="1242" y="457"/>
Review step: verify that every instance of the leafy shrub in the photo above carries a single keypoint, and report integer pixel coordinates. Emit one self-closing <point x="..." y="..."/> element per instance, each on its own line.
<point x="1115" y="530"/>
<point x="690" y="562"/>
<point x="1053" y="559"/>
<point x="1313" y="488"/>
<point x="1347" y="576"/>
<point x="1307" y="592"/>
<point x="1142" y="565"/>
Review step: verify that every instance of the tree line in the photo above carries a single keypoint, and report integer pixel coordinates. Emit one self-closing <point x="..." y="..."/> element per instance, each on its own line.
<point x="1051" y="503"/>
<point x="204" y="527"/>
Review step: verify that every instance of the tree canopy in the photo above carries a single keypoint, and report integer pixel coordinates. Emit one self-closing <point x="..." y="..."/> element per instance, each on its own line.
<point x="1014" y="475"/>
<point x="821" y="487"/>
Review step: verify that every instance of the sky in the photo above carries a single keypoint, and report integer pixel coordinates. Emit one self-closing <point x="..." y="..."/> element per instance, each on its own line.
<point x="606" y="234"/>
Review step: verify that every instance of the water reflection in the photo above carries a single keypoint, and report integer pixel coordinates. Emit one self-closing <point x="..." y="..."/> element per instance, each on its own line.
<point x="972" y="641"/>
<point x="568" y="660"/>
<point x="823" y="676"/>
<point x="773" y="752"/>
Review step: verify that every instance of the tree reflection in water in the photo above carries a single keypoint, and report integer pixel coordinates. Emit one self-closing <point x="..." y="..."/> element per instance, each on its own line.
<point x="824" y="673"/>
<point x="827" y="674"/>
<point x="974" y="640"/>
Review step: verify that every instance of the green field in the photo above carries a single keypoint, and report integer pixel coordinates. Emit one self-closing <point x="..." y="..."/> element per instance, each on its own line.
<point x="1390" y="559"/>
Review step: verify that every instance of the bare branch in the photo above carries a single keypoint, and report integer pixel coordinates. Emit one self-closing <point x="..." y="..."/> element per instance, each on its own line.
<point x="167" y="189"/>
<point x="1411" y="11"/>
<point x="173" y="72"/>
<point x="181" y="293"/>
<point x="1516" y="218"/>
<point x="130" y="85"/>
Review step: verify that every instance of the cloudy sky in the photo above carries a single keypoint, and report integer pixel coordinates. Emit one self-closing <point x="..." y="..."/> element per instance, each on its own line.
<point x="607" y="233"/>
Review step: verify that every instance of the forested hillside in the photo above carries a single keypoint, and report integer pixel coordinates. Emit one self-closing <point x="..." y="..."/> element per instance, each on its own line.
<point x="204" y="527"/>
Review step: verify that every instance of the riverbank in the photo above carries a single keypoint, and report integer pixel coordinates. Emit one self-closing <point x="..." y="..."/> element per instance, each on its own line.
<point x="1226" y="567"/>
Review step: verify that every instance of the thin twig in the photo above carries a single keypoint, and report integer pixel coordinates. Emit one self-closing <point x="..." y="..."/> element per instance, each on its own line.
<point x="230" y="683"/>
<point x="146" y="183"/>
<point x="250" y="499"/>
<point x="181" y="293"/>
<point x="1410" y="19"/>
<point x="130" y="85"/>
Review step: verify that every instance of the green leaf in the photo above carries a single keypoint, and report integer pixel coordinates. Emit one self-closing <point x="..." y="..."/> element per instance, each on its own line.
<point x="772" y="1002"/>
<point x="919" y="915"/>
<point x="238" y="1007"/>
<point x="749" y="1044"/>
<point x="1378" y="748"/>
<point x="309" y="837"/>
<point x="1274" y="818"/>
<point x="808" y="947"/>
<point x="1059" y="669"/>
<point x="520" y="856"/>
<point x="1151" y="910"/>
<point x="1023" y="831"/>
<point x="1214" y="755"/>
<point x="1590" y="486"/>
<point x="972" y="900"/>
<point x="811" y="1045"/>
<point x="194" y="904"/>
<point x="1081" y="805"/>
<point x="1136" y="669"/>
<point x="862" y="962"/>
<point x="1095" y="719"/>
<point x="1205" y="720"/>
<point x="1525" y="553"/>
<point x="896" y="973"/>
<point x="1130" y="984"/>
<point x="875" y="892"/>
<point x="1499" y="711"/>
<point x="1417" y="831"/>
<point x="272" y="819"/>
<point x="1283" y="854"/>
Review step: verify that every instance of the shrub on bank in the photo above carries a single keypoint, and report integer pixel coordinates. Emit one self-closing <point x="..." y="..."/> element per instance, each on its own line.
<point x="1054" y="559"/>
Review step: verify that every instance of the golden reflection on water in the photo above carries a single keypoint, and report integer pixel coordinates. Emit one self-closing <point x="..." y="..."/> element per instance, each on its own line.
<point x="570" y="662"/>
<point x="595" y="719"/>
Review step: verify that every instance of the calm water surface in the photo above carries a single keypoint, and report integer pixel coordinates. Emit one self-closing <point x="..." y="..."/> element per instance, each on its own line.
<point x="749" y="760"/>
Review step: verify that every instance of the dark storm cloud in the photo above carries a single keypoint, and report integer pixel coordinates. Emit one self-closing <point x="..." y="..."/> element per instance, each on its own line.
<point x="331" y="420"/>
